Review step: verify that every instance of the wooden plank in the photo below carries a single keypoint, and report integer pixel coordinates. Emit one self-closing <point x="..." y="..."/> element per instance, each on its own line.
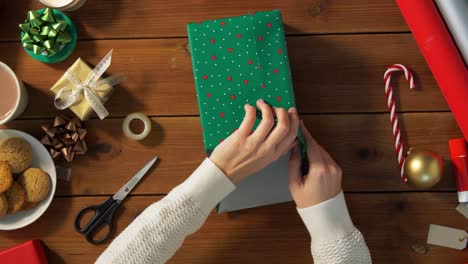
<point x="390" y="223"/>
<point x="146" y="19"/>
<point x="331" y="74"/>
<point x="361" y="144"/>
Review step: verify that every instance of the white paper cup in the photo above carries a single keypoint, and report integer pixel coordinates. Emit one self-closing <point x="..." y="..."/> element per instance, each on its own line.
<point x="21" y="100"/>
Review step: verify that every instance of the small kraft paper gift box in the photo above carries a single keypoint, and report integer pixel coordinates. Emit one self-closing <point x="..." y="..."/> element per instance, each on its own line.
<point x="83" y="91"/>
<point x="239" y="60"/>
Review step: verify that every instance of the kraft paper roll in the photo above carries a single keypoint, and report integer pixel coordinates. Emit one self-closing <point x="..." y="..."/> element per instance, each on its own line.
<point x="441" y="55"/>
<point x="455" y="15"/>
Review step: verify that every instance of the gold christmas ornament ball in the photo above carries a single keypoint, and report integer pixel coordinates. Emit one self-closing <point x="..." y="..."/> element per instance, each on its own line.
<point x="423" y="168"/>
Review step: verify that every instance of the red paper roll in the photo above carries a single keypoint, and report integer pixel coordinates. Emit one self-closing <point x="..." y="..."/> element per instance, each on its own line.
<point x="458" y="154"/>
<point x="441" y="55"/>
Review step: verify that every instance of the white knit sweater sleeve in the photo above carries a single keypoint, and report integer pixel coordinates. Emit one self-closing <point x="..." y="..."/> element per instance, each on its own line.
<point x="335" y="240"/>
<point x="156" y="234"/>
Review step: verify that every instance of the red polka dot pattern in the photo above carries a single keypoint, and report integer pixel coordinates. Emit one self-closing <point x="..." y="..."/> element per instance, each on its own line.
<point x="238" y="60"/>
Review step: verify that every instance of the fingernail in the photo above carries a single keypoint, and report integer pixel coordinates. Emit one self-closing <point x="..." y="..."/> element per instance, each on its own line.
<point x="292" y="110"/>
<point x="261" y="101"/>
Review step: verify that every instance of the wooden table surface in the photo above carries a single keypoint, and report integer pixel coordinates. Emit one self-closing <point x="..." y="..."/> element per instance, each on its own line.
<point x="338" y="50"/>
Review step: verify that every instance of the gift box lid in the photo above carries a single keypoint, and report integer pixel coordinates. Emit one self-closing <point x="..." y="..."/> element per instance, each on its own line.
<point x="238" y="60"/>
<point x="31" y="252"/>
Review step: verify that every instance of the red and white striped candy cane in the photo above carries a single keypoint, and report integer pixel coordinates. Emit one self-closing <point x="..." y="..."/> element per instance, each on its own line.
<point x="393" y="113"/>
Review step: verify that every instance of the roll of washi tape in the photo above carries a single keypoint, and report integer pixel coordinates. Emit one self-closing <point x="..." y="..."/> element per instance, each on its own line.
<point x="129" y="133"/>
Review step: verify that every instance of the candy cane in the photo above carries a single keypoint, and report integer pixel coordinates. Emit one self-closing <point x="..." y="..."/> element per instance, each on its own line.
<point x="393" y="113"/>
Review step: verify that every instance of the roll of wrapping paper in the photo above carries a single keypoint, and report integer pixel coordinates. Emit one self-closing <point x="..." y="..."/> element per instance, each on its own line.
<point x="441" y="55"/>
<point x="455" y="15"/>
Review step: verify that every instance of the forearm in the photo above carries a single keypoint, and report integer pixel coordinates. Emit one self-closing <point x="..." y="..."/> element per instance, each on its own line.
<point x="155" y="235"/>
<point x="334" y="237"/>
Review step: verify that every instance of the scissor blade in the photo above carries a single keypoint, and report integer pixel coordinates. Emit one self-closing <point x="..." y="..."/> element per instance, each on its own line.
<point x="127" y="188"/>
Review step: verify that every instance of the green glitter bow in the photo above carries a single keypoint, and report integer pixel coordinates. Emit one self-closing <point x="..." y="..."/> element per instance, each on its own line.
<point x="44" y="33"/>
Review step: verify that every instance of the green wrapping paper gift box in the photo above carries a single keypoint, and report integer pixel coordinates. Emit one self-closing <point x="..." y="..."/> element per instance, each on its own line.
<point x="239" y="60"/>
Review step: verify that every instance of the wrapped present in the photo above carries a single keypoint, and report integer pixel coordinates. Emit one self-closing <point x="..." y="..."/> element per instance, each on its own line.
<point x="31" y="252"/>
<point x="239" y="60"/>
<point x="82" y="90"/>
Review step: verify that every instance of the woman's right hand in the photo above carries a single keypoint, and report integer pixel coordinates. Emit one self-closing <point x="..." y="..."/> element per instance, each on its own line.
<point x="323" y="180"/>
<point x="245" y="152"/>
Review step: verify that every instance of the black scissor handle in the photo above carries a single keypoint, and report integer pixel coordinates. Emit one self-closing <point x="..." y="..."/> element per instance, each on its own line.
<point x="105" y="221"/>
<point x="98" y="210"/>
<point x="103" y="217"/>
<point x="80" y="215"/>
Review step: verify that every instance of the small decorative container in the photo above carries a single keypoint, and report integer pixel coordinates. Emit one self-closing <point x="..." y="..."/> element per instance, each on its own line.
<point x="48" y="35"/>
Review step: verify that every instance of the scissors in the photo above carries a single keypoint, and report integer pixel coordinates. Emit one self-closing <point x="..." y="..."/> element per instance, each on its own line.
<point x="104" y="213"/>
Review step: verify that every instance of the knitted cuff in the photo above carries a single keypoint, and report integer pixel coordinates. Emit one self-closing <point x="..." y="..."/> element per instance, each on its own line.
<point x="327" y="221"/>
<point x="207" y="186"/>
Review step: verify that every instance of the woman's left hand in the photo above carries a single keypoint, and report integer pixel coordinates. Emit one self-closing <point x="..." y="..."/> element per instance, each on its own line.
<point x="244" y="153"/>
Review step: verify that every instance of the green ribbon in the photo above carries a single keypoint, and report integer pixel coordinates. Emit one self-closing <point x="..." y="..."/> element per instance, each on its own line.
<point x="44" y="33"/>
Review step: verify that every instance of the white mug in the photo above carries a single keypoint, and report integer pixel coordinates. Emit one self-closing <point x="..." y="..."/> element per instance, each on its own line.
<point x="21" y="100"/>
<point x="64" y="5"/>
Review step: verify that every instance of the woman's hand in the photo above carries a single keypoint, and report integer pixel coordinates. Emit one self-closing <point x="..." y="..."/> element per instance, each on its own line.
<point x="244" y="153"/>
<point x="322" y="182"/>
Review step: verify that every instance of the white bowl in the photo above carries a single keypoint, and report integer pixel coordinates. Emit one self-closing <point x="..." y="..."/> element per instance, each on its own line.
<point x="42" y="160"/>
